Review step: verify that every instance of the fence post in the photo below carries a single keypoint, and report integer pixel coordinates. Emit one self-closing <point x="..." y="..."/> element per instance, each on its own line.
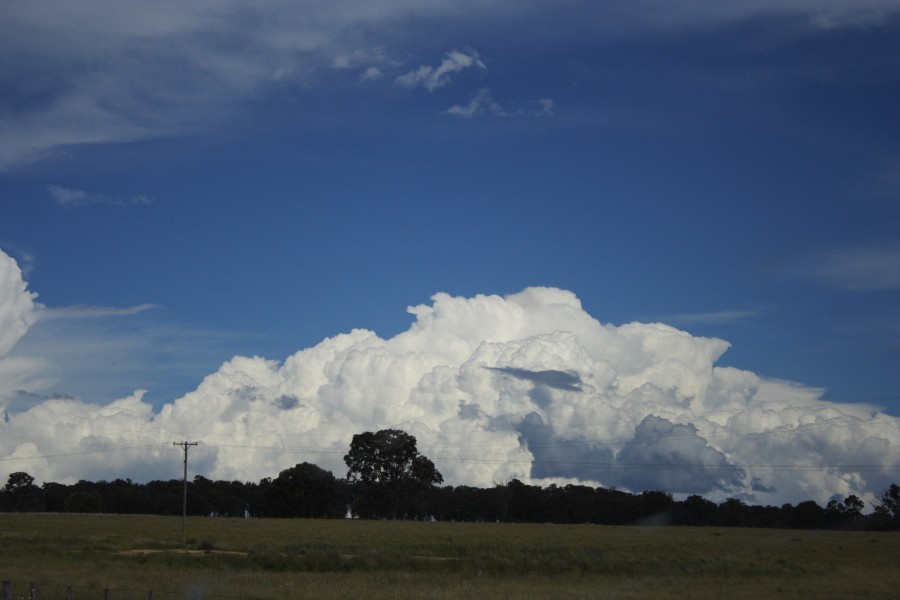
<point x="31" y="591"/>
<point x="69" y="594"/>
<point x="5" y="592"/>
<point x="106" y="594"/>
<point x="150" y="595"/>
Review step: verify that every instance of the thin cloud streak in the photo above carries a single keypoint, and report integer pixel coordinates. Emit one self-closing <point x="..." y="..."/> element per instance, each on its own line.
<point x="866" y="268"/>
<point x="99" y="352"/>
<point x="68" y="197"/>
<point x="83" y="311"/>
<point x="481" y="103"/>
<point x="159" y="72"/>
<point x="720" y="317"/>
<point x="432" y="78"/>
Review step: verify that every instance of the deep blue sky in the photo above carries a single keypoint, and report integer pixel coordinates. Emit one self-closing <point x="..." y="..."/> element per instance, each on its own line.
<point x="732" y="170"/>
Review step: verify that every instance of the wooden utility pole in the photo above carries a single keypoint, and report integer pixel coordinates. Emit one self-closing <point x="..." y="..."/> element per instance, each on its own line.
<point x="184" y="445"/>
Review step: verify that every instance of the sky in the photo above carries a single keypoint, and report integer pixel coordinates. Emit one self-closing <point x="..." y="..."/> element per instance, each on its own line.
<point x="650" y="245"/>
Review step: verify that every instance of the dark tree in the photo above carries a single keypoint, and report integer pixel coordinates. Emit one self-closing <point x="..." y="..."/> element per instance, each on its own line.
<point x="388" y="474"/>
<point x="55" y="495"/>
<point x="734" y="513"/>
<point x="83" y="502"/>
<point x="20" y="494"/>
<point x="654" y="506"/>
<point x="164" y="497"/>
<point x="887" y="508"/>
<point x="123" y="496"/>
<point x="580" y="505"/>
<point x="846" y="514"/>
<point x="525" y="502"/>
<point x="807" y="515"/>
<point x="306" y="490"/>
<point x="388" y="456"/>
<point x="695" y="510"/>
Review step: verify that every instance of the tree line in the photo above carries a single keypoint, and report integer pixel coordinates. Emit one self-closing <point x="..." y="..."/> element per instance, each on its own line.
<point x="387" y="478"/>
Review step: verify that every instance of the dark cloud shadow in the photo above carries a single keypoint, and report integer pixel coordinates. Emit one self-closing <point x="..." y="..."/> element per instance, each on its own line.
<point x="555" y="457"/>
<point x="560" y="380"/>
<point x="673" y="457"/>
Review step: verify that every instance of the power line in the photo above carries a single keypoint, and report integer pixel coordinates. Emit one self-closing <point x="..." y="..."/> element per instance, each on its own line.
<point x="683" y="466"/>
<point x="790" y="430"/>
<point x="590" y="464"/>
<point x="78" y="453"/>
<point x="719" y="431"/>
<point x="530" y="462"/>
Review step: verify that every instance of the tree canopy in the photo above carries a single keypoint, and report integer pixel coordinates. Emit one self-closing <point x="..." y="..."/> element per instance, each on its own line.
<point x="20" y="493"/>
<point x="389" y="457"/>
<point x="392" y="479"/>
<point x="305" y="490"/>
<point x="887" y="507"/>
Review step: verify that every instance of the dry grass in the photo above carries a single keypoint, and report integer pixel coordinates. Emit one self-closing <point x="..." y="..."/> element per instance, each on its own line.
<point x="283" y="559"/>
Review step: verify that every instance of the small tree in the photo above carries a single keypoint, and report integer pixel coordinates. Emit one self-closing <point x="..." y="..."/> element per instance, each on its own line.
<point x="846" y="514"/>
<point x="389" y="474"/>
<point x="887" y="508"/>
<point x="306" y="490"/>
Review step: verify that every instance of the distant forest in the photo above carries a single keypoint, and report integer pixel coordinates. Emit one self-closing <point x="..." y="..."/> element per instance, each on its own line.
<point x="307" y="491"/>
<point x="387" y="478"/>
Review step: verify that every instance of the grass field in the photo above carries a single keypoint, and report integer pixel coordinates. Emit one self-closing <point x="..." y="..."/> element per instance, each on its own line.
<point x="297" y="558"/>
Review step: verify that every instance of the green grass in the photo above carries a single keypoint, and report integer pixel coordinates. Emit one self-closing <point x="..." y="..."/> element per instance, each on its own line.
<point x="284" y="558"/>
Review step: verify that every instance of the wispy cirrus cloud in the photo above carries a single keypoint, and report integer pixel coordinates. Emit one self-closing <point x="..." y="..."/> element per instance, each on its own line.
<point x="69" y="197"/>
<point x="432" y="78"/>
<point x="482" y="103"/>
<point x="98" y="352"/>
<point x="371" y="74"/>
<point x="363" y="58"/>
<point x="543" y="107"/>
<point x="864" y="268"/>
<point x="83" y="311"/>
<point x="885" y="182"/>
<point x="718" y="317"/>
<point x="80" y="74"/>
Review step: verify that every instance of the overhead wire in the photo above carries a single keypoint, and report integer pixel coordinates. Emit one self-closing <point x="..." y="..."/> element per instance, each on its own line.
<point x="440" y="449"/>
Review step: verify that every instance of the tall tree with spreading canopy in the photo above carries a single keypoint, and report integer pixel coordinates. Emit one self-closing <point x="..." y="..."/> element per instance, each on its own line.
<point x="20" y="494"/>
<point x="389" y="475"/>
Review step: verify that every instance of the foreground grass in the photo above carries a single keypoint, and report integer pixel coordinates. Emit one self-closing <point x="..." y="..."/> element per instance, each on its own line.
<point x="284" y="559"/>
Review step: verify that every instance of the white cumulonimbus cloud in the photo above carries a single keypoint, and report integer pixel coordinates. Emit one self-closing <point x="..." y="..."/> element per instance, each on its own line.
<point x="526" y="386"/>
